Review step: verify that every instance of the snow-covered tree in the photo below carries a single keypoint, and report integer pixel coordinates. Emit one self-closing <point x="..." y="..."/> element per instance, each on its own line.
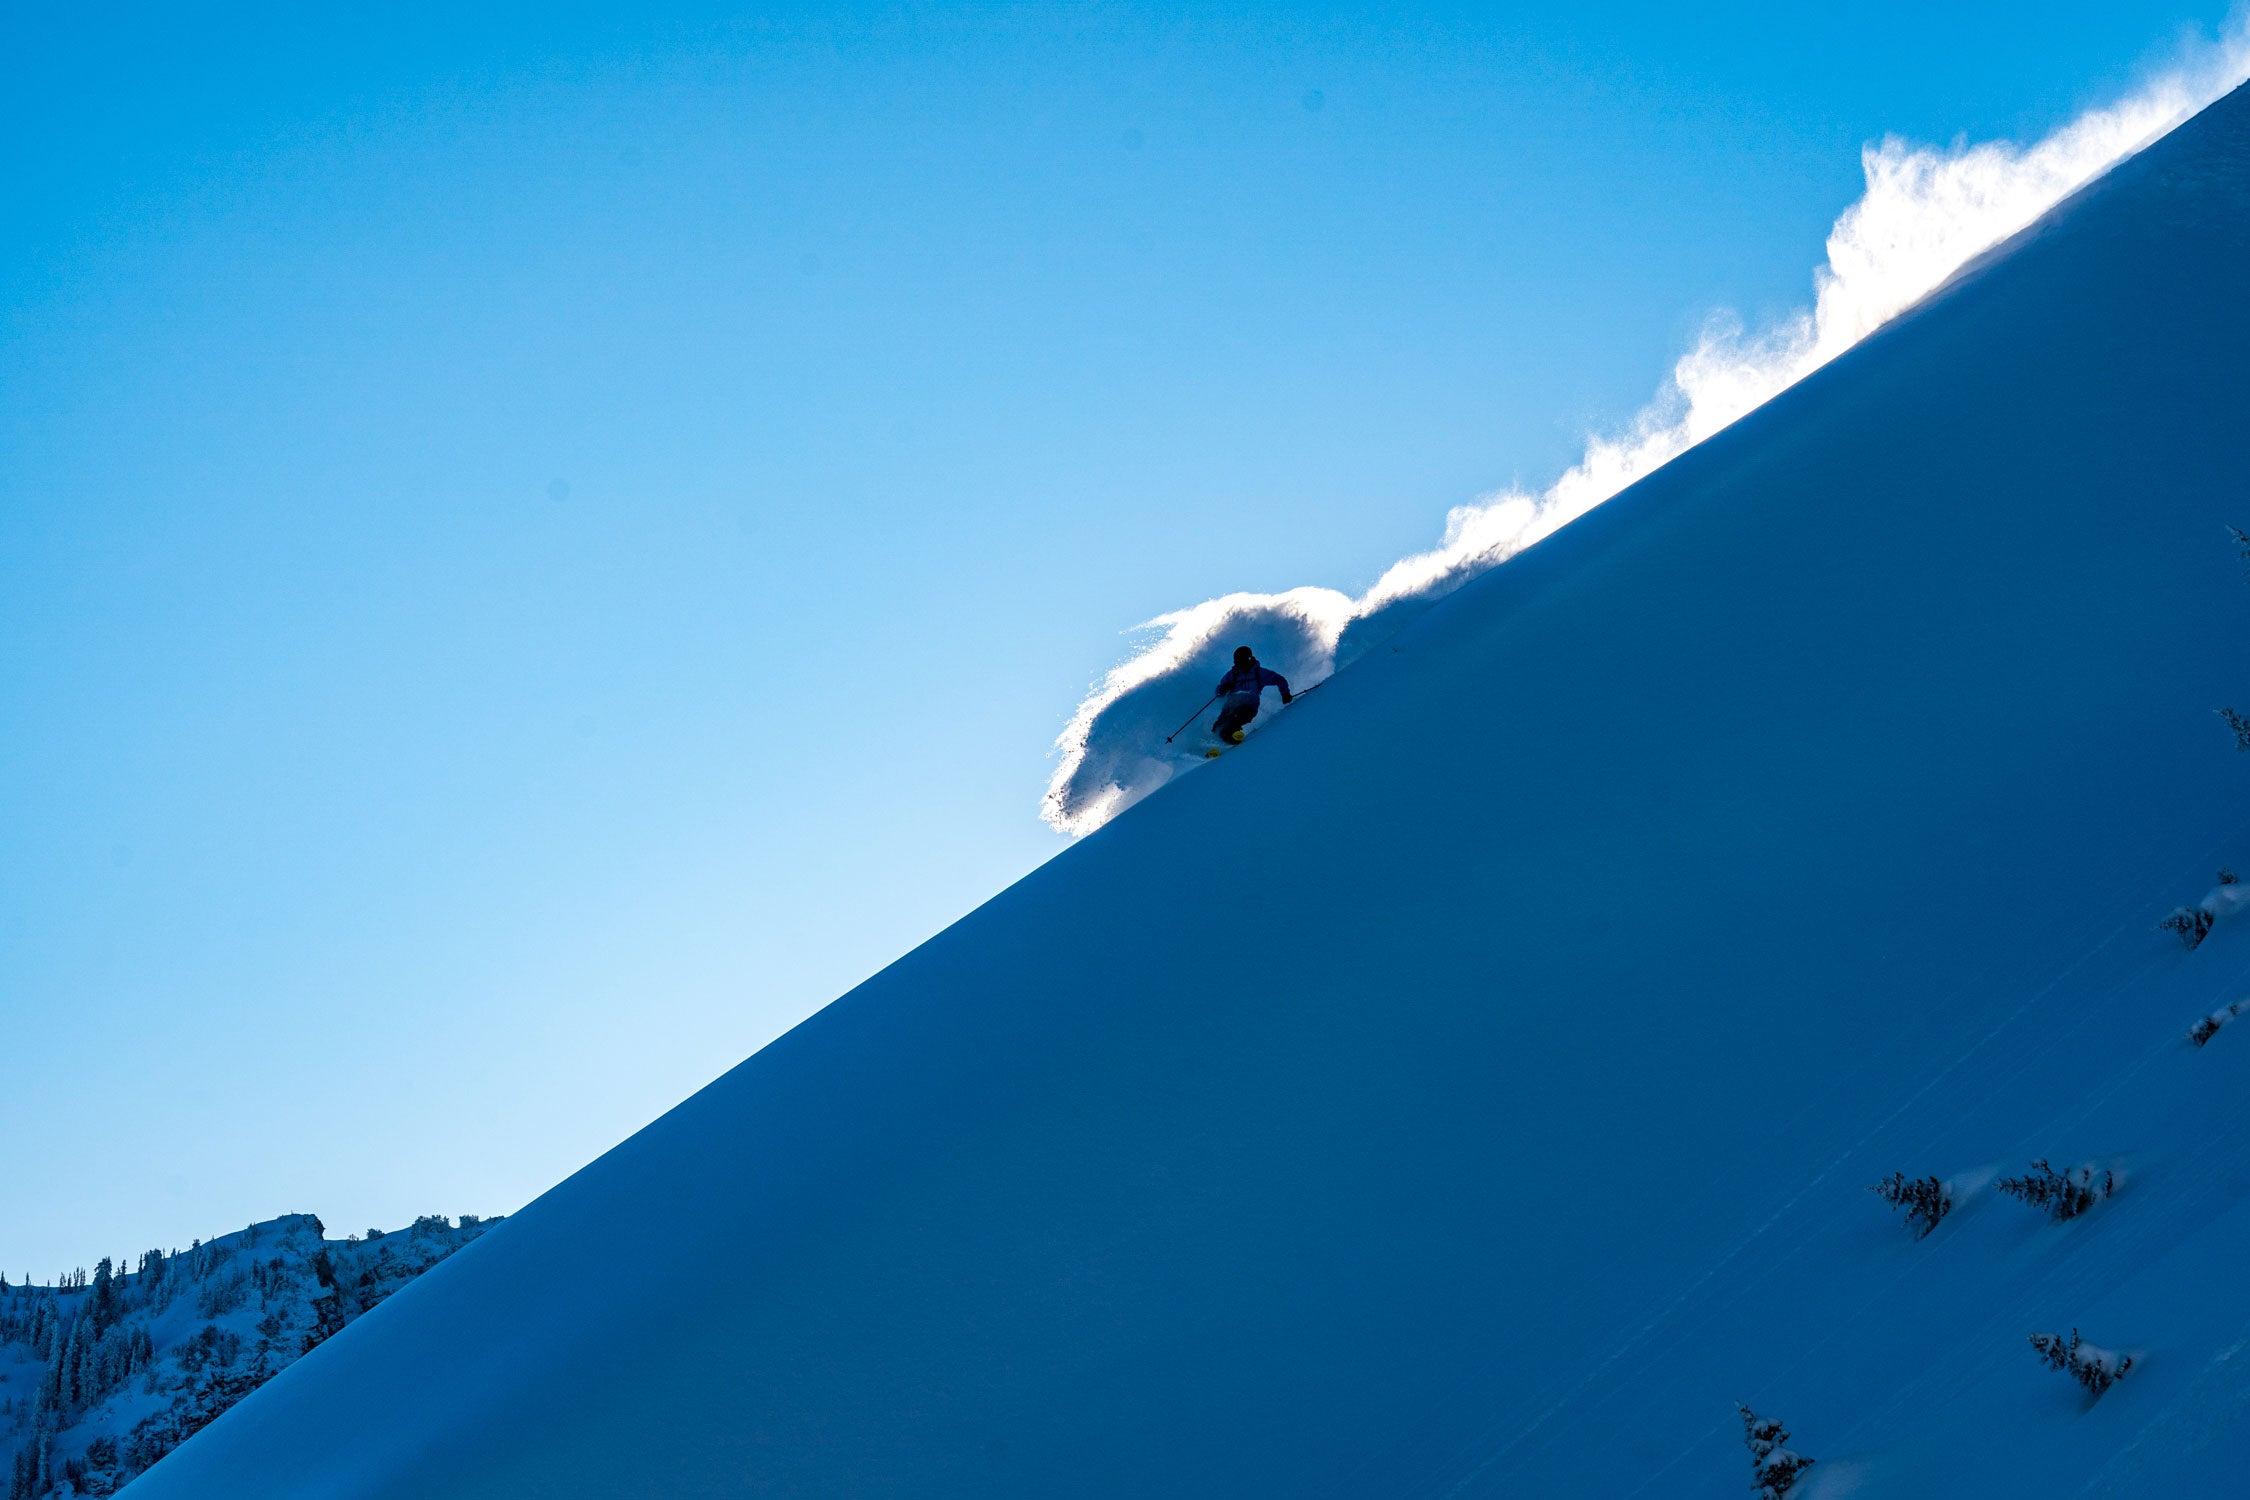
<point x="1774" y="1467"/>
<point x="2225" y="899"/>
<point x="2095" y="1368"/>
<point x="2207" y="1028"/>
<point x="2191" y="923"/>
<point x="31" y="1475"/>
<point x="2062" y="1195"/>
<point x="1925" y="1199"/>
<point x="103" y="1308"/>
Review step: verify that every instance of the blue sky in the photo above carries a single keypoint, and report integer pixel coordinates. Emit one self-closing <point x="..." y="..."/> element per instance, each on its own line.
<point x="536" y="550"/>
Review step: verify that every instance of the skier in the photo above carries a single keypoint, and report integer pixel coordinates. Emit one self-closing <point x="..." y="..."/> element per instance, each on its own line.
<point x="1241" y="687"/>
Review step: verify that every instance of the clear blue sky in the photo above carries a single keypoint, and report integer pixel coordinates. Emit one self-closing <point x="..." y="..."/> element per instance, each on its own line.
<point x="536" y="550"/>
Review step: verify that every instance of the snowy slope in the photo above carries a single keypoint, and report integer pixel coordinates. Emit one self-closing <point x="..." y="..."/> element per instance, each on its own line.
<point x="1471" y="1087"/>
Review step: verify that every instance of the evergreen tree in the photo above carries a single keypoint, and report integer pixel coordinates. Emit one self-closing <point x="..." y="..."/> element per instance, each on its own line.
<point x="102" y="1310"/>
<point x="1925" y="1199"/>
<point x="32" y="1475"/>
<point x="1774" y="1468"/>
<point x="2192" y="924"/>
<point x="2207" y="1028"/>
<point x="2063" y="1195"/>
<point x="2095" y="1369"/>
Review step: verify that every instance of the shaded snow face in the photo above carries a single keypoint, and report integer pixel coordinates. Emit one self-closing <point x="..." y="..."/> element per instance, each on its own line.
<point x="1492" y="1146"/>
<point x="1927" y="212"/>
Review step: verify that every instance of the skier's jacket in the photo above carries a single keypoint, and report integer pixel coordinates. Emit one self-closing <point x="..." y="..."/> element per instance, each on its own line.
<point x="1253" y="679"/>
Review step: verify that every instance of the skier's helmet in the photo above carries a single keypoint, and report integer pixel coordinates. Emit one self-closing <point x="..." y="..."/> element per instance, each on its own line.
<point x="1243" y="656"/>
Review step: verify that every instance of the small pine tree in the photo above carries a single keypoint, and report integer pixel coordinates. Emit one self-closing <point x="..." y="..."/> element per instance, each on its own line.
<point x="2240" y="724"/>
<point x="2191" y="923"/>
<point x="1925" y="1199"/>
<point x="2207" y="1028"/>
<point x="2095" y="1369"/>
<point x="2063" y="1195"/>
<point x="2241" y="546"/>
<point x="1774" y="1468"/>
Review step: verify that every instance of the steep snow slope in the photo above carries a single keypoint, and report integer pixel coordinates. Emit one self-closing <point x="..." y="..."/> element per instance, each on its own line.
<point x="1472" y="1086"/>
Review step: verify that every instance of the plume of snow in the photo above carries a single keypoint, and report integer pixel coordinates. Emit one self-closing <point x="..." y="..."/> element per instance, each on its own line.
<point x="1115" y="749"/>
<point x="1926" y="213"/>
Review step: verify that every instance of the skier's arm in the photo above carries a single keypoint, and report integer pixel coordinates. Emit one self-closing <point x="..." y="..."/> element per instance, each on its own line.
<point x="1279" y="681"/>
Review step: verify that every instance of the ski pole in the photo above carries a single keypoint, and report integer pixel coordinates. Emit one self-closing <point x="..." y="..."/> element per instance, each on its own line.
<point x="1191" y="718"/>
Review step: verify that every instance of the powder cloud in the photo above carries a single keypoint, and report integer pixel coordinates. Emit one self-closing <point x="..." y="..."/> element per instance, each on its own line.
<point x="1926" y="213"/>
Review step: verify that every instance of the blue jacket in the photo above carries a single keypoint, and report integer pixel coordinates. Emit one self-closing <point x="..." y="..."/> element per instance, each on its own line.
<point x="1251" y="680"/>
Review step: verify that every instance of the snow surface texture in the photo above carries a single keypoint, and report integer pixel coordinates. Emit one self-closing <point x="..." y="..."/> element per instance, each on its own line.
<point x="1927" y="212"/>
<point x="1498" y="1144"/>
<point x="101" y="1379"/>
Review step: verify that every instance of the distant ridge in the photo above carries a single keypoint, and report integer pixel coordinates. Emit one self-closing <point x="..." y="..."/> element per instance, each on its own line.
<point x="104" y="1373"/>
